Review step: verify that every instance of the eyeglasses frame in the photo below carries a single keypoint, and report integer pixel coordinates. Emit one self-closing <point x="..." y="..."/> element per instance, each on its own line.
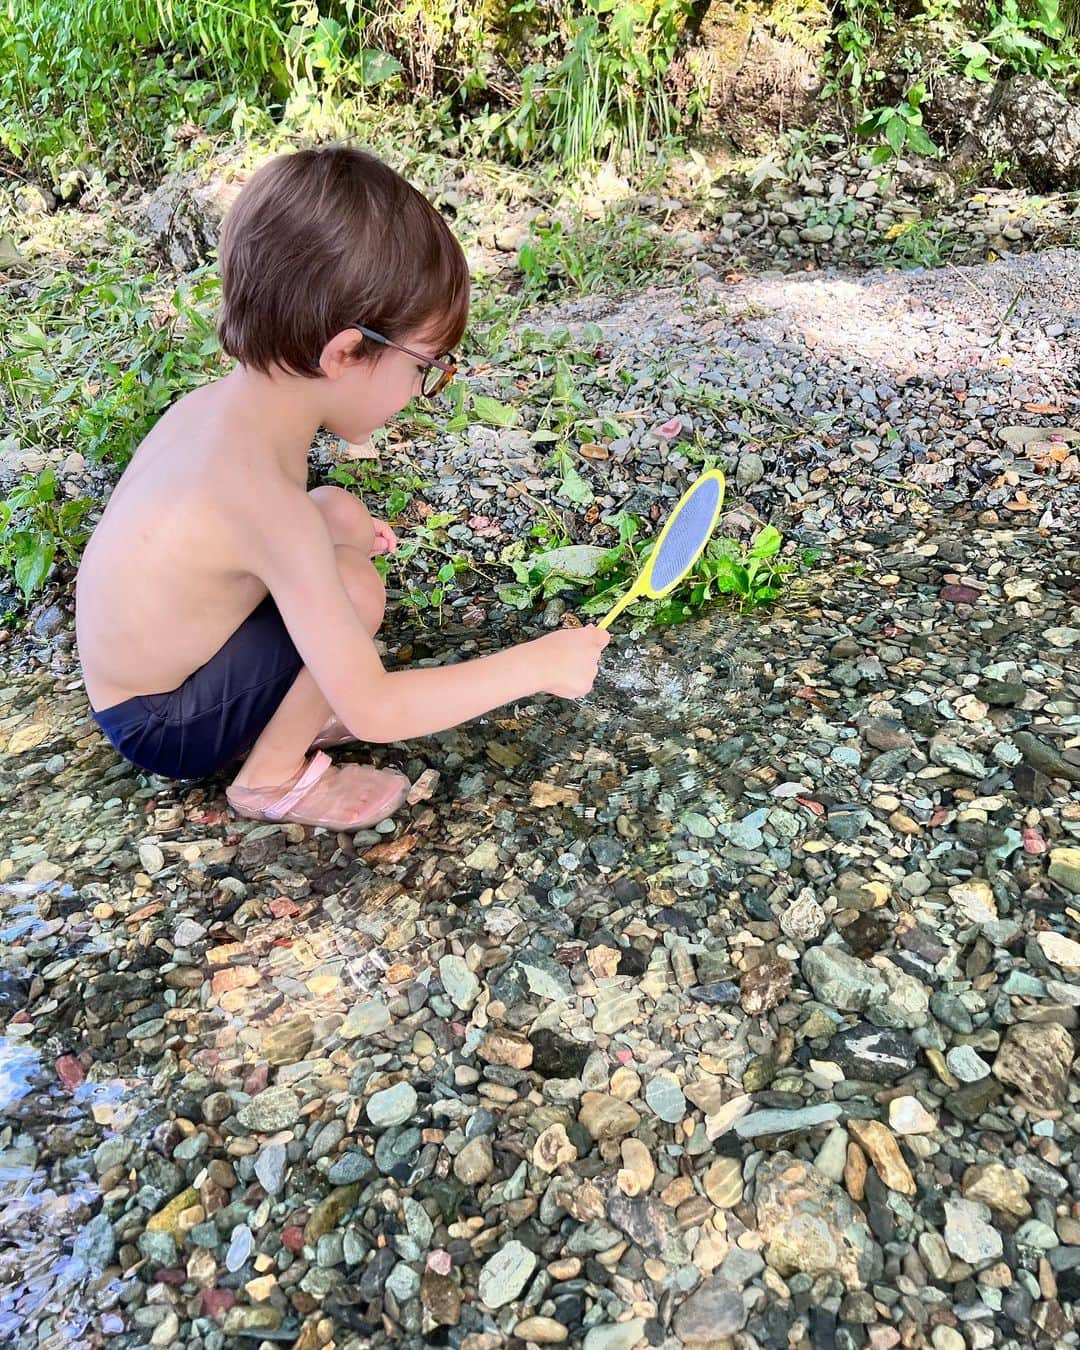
<point x="448" y="367"/>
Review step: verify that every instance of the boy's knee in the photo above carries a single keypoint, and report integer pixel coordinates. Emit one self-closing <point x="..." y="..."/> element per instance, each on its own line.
<point x="363" y="585"/>
<point x="346" y="516"/>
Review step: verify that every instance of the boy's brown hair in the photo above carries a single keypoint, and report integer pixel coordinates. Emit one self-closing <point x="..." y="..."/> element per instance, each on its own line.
<point x="331" y="237"/>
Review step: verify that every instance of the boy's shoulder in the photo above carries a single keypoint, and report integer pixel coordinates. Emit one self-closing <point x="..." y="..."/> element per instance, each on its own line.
<point x="212" y="437"/>
<point x="213" y="419"/>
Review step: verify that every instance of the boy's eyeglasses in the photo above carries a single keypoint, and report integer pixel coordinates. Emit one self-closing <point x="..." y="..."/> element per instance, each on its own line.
<point x="437" y="373"/>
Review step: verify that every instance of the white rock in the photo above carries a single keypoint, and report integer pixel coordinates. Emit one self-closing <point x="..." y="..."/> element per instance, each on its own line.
<point x="907" y="1115"/>
<point x="1060" y="951"/>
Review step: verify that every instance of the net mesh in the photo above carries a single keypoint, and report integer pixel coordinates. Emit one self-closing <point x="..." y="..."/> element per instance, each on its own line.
<point x="690" y="528"/>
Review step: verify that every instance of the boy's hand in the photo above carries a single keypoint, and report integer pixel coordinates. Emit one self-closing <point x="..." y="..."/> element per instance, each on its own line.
<point x="385" y="538"/>
<point x="570" y="659"/>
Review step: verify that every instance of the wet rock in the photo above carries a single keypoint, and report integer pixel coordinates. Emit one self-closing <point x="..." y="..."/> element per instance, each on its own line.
<point x="441" y="1298"/>
<point x="605" y="1117"/>
<point x="665" y="1097"/>
<point x="722" y="1182"/>
<point x="1065" y="868"/>
<point x="391" y="1106"/>
<point x="780" y="1121"/>
<point x="555" y="1056"/>
<point x="475" y="1163"/>
<point x="842" y="981"/>
<point x="969" y="1234"/>
<point x="873" y="1054"/>
<point x="1060" y="951"/>
<point x="805" y="919"/>
<point x="808" y="1224"/>
<point x="252" y="1321"/>
<point x="459" y="982"/>
<point x="767" y="985"/>
<point x="884" y="1152"/>
<point x="365" y="1019"/>
<point x="289" y="1041"/>
<point x="275" y="1108"/>
<point x="711" y="1313"/>
<point x="329" y="1212"/>
<point x="505" y="1274"/>
<point x="619" y="1336"/>
<point x="974" y="901"/>
<point x="541" y="1331"/>
<point x="95" y="1244"/>
<point x="1004" y="1189"/>
<point x="907" y="1115"/>
<point x="1036" y="1060"/>
<point x="270" y="1167"/>
<point x="1045" y="758"/>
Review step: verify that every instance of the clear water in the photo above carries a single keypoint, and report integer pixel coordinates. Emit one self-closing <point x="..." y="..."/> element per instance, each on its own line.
<point x="669" y="716"/>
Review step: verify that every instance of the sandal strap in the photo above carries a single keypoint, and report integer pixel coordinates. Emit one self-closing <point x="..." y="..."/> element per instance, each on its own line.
<point x="317" y="766"/>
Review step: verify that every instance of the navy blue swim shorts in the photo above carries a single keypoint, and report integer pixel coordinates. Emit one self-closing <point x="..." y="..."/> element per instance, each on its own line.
<point x="218" y="713"/>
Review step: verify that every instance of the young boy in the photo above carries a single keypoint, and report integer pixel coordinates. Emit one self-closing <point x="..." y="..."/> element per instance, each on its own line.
<point x="226" y="614"/>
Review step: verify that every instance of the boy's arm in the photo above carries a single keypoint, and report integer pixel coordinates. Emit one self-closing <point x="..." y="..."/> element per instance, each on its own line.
<point x="374" y="704"/>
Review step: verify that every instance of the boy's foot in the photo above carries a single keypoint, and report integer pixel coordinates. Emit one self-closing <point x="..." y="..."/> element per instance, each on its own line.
<point x="334" y="733"/>
<point x="339" y="797"/>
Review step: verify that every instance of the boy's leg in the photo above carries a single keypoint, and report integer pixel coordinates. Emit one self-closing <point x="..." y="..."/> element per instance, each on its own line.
<point x="279" y="782"/>
<point x="278" y="754"/>
<point x="340" y="796"/>
<point x="350" y="527"/>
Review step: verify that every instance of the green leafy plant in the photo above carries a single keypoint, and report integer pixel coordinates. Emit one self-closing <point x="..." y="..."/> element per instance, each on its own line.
<point x="107" y="83"/>
<point x="618" y="252"/>
<point x="35" y="527"/>
<point x="849" y="66"/>
<point x="388" y="492"/>
<point x="1035" y="41"/>
<point x="917" y="243"/>
<point x="901" y="126"/>
<point x="104" y="80"/>
<point x="793" y="156"/>
<point x="423" y="571"/>
<point x="753" y="574"/>
<point x="605" y="97"/>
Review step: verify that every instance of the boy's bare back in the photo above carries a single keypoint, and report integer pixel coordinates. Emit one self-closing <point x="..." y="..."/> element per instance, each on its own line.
<point x="172" y="567"/>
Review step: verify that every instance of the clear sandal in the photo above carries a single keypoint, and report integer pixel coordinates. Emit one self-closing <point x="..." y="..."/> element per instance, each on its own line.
<point x="333" y="734"/>
<point x="337" y="797"/>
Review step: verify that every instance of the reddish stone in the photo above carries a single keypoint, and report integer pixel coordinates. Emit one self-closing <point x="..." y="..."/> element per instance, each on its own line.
<point x="208" y="818"/>
<point x="171" y="1275"/>
<point x="216" y="1303"/>
<point x="292" y="1238"/>
<point x="257" y="1079"/>
<point x="959" y="595"/>
<point x="212" y="1196"/>
<point x="234" y="977"/>
<point x="1034" y="842"/>
<point x="70" y="1072"/>
<point x="440" y="1261"/>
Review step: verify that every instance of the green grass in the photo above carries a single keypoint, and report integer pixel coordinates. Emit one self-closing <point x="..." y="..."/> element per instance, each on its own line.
<point x="97" y="353"/>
